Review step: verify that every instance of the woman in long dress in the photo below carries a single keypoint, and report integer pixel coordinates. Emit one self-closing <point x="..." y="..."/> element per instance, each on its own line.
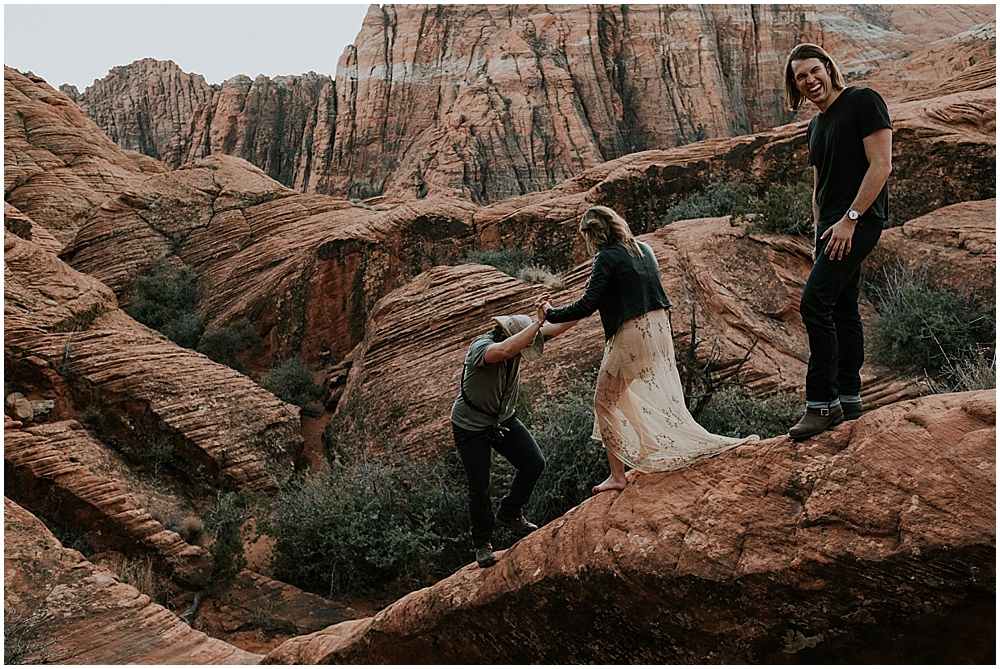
<point x="642" y="416"/>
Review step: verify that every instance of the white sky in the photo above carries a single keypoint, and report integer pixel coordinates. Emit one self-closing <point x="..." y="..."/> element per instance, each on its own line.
<point x="78" y="43"/>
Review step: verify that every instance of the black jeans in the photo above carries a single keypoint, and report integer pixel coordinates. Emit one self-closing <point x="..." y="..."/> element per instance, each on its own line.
<point x="520" y="449"/>
<point x="829" y="309"/>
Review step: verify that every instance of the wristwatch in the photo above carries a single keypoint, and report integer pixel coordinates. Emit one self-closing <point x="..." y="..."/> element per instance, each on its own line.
<point x="853" y="214"/>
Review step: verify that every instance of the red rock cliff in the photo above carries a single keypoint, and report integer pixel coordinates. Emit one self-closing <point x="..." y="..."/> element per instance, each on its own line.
<point x="493" y="101"/>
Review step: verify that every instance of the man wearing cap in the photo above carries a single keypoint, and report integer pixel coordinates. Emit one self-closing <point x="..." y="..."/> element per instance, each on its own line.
<point x="483" y="419"/>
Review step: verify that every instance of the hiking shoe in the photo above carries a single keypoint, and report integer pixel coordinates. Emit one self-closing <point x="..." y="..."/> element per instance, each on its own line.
<point x="852" y="410"/>
<point x="519" y="526"/>
<point x="485" y="557"/>
<point x="816" y="421"/>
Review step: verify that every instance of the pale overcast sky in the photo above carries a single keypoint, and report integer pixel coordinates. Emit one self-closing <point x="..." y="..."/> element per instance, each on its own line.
<point x="78" y="43"/>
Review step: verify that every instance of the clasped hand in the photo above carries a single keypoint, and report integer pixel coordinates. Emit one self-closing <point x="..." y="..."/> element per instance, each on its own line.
<point x="541" y="306"/>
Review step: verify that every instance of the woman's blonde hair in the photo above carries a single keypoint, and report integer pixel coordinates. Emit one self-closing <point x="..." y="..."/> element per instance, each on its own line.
<point x="793" y="97"/>
<point x="603" y="227"/>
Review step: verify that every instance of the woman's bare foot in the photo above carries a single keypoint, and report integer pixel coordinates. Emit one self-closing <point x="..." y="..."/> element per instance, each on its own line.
<point x="608" y="484"/>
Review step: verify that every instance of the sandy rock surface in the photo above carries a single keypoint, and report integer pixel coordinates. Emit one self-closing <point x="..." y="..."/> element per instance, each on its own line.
<point x="872" y="543"/>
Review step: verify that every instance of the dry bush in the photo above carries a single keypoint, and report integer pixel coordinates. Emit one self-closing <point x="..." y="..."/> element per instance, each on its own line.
<point x="24" y="641"/>
<point x="540" y="274"/>
<point x="137" y="572"/>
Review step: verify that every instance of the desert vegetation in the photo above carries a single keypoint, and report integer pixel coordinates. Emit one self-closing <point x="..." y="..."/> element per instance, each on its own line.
<point x="166" y="299"/>
<point x="381" y="525"/>
<point x="292" y="381"/>
<point x="23" y="640"/>
<point x="935" y="331"/>
<point x="774" y="208"/>
<point x="519" y="264"/>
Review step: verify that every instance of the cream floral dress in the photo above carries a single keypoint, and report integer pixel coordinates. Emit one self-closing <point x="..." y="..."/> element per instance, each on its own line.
<point x="642" y="416"/>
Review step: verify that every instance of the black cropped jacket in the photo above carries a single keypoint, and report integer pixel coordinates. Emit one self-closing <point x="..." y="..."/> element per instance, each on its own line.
<point x="621" y="286"/>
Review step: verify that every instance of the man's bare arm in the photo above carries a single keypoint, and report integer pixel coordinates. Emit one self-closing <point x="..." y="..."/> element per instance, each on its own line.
<point x="551" y="330"/>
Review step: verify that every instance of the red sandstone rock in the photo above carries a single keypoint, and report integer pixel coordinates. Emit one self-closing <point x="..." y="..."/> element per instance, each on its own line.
<point x="50" y="469"/>
<point x="58" y="165"/>
<point x="65" y="339"/>
<point x="92" y="618"/>
<point x="123" y="104"/>
<point x="304" y="269"/>
<point x="24" y="227"/>
<point x="871" y="543"/>
<point x="260" y="240"/>
<point x="47" y="470"/>
<point x="153" y="107"/>
<point x="279" y="611"/>
<point x="955" y="246"/>
<point x="490" y="102"/>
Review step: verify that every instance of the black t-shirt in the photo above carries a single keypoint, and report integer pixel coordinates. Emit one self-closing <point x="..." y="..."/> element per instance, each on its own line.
<point x="837" y="149"/>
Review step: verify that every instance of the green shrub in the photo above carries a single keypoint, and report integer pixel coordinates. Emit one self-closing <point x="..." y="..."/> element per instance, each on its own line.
<point x="167" y="300"/>
<point x="926" y="329"/>
<point x="185" y="330"/>
<point x="717" y="199"/>
<point x="782" y="209"/>
<point x="292" y="382"/>
<point x="574" y="461"/>
<point x="733" y="412"/>
<point x="229" y="524"/>
<point x="509" y="261"/>
<point x="351" y="529"/>
<point x="225" y="344"/>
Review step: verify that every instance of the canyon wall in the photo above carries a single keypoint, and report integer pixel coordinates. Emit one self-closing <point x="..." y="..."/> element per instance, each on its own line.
<point x="489" y="102"/>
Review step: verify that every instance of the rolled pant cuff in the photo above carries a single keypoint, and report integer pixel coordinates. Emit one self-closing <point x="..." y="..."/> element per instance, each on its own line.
<point x="810" y="404"/>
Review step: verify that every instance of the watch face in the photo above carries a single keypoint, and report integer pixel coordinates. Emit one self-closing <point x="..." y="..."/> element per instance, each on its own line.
<point x="853" y="215"/>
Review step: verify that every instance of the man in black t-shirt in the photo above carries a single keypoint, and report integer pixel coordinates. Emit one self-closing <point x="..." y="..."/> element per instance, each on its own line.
<point x="850" y="149"/>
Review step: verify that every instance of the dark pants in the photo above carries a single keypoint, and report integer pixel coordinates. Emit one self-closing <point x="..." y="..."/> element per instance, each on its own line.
<point x="520" y="449"/>
<point x="829" y="309"/>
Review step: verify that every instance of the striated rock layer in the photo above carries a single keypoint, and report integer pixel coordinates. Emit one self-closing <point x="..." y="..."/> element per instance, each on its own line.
<point x="86" y="615"/>
<point x="58" y="165"/>
<point x="305" y="269"/>
<point x="153" y="107"/>
<point x="46" y="470"/>
<point x="872" y="543"/>
<point x="955" y="246"/>
<point x="66" y="340"/>
<point x="489" y="102"/>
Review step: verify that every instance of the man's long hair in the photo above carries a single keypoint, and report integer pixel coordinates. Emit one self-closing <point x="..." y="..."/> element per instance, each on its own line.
<point x="793" y="97"/>
<point x="603" y="227"/>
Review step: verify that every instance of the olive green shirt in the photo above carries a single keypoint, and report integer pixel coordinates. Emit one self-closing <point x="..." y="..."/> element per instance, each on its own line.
<point x="491" y="386"/>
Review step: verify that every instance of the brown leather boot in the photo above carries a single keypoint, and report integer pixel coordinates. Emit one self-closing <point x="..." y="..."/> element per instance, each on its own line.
<point x="852" y="410"/>
<point x="484" y="556"/>
<point x="815" y="421"/>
